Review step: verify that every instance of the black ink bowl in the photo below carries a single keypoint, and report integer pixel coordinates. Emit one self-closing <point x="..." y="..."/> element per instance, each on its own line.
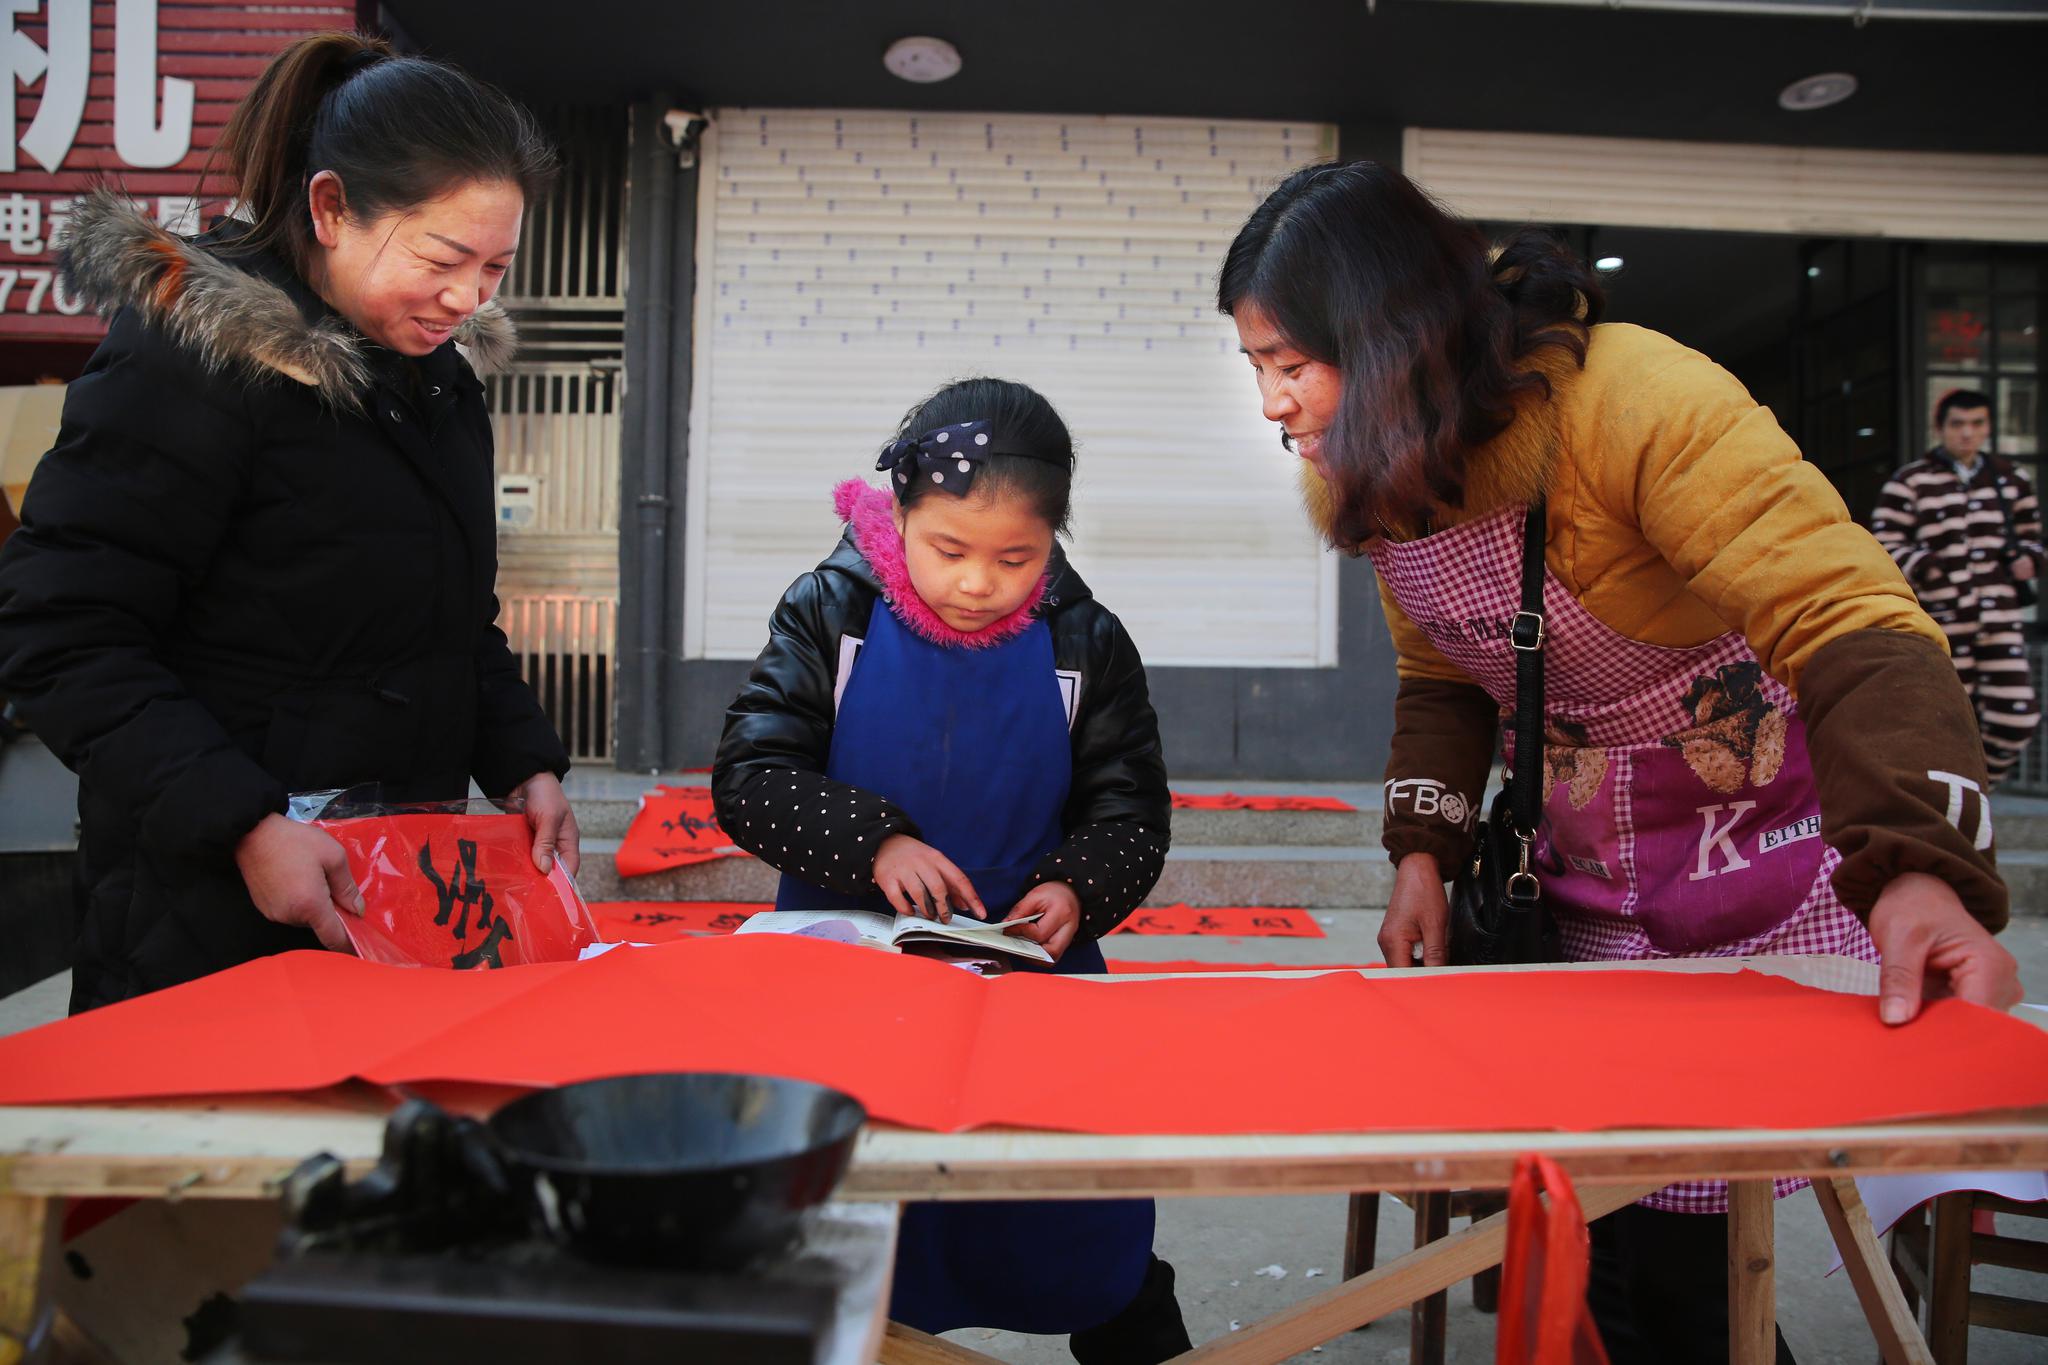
<point x="696" y="1169"/>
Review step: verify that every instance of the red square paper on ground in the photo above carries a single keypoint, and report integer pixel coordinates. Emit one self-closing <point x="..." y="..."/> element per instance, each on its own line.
<point x="674" y="827"/>
<point x="1223" y="921"/>
<point x="666" y="921"/>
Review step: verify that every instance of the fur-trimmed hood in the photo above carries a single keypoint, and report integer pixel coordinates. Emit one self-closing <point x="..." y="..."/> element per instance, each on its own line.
<point x="232" y="317"/>
<point x="1514" y="467"/>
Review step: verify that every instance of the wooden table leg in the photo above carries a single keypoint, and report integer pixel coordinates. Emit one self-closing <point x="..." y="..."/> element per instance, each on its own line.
<point x="28" y="1240"/>
<point x="1948" y="1280"/>
<point x="1752" y="1285"/>
<point x="1869" y="1270"/>
<point x="1361" y="1232"/>
<point x="1486" y="1284"/>
<point x="1353" y="1303"/>
<point x="1429" y="1318"/>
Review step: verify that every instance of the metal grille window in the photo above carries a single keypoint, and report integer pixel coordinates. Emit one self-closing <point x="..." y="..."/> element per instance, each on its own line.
<point x="851" y="263"/>
<point x="565" y="645"/>
<point x="555" y="418"/>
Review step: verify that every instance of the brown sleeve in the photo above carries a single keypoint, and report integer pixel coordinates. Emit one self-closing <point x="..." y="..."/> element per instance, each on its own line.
<point x="1436" y="774"/>
<point x="1900" y="770"/>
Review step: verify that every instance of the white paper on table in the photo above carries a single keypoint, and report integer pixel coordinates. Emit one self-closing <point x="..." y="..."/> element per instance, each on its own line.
<point x="600" y="949"/>
<point x="1891" y="1197"/>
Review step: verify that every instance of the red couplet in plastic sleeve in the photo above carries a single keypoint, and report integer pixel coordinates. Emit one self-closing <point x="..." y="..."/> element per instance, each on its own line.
<point x="458" y="891"/>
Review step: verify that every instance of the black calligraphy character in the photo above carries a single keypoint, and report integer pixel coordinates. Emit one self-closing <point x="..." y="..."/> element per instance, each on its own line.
<point x="1149" y="924"/>
<point x="687" y="825"/>
<point x="1208" y="922"/>
<point x="1271" y="922"/>
<point x="655" y="917"/>
<point x="464" y="888"/>
<point x="728" y="921"/>
<point x="487" y="951"/>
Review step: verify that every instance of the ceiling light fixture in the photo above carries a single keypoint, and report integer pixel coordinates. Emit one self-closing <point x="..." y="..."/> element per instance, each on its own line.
<point x="1817" y="92"/>
<point x="1607" y="265"/>
<point x="922" y="59"/>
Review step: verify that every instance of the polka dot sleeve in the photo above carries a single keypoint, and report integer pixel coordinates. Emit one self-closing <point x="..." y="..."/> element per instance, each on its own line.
<point x="1111" y="866"/>
<point x="808" y="826"/>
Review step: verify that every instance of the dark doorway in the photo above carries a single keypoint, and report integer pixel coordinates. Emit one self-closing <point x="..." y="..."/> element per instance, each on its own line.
<point x="1812" y="328"/>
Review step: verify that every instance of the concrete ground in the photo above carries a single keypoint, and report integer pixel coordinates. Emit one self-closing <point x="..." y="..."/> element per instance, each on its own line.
<point x="1219" y="1247"/>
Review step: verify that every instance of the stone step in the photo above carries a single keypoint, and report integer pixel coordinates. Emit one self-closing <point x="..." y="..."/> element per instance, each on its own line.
<point x="608" y="818"/>
<point x="1260" y="875"/>
<point x="2022" y="824"/>
<point x="1310" y="877"/>
<point x="2026" y="877"/>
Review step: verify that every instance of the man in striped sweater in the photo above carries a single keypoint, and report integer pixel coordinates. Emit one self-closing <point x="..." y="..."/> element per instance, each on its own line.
<point x="1965" y="528"/>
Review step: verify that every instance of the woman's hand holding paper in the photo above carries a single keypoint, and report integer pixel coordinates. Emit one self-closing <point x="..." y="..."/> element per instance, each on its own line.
<point x="555" y="834"/>
<point x="299" y="875"/>
<point x="1932" y="947"/>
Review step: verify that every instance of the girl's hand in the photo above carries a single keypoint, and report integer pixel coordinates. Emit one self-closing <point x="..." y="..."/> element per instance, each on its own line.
<point x="1418" y="915"/>
<point x="1062" y="911"/>
<point x="1932" y="948"/>
<point x="552" y="821"/>
<point x="299" y="875"/>
<point x="919" y="880"/>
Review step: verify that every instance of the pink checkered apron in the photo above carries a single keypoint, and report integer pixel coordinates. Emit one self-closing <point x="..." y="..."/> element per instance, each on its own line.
<point x="1679" y="816"/>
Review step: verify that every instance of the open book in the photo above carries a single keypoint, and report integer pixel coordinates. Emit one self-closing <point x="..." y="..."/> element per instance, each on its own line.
<point x="893" y="931"/>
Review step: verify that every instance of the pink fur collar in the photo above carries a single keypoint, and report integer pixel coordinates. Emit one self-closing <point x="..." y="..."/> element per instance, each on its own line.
<point x="871" y="512"/>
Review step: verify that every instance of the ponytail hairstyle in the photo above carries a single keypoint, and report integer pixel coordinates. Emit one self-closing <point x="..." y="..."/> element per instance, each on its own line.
<point x="396" y="131"/>
<point x="1432" y="332"/>
<point x="1034" y="454"/>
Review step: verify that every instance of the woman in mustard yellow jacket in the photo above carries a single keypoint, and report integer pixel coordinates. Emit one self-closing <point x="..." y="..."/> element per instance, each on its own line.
<point x="1754" y="740"/>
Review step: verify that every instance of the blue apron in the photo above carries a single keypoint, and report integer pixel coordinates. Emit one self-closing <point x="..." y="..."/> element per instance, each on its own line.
<point x="973" y="745"/>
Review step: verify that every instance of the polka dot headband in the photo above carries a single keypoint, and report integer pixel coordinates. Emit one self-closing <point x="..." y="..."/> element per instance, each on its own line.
<point x="946" y="456"/>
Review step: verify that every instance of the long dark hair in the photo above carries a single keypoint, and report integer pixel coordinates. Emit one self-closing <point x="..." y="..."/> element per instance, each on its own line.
<point x="397" y="132"/>
<point x="1431" y="330"/>
<point x="1023" y="420"/>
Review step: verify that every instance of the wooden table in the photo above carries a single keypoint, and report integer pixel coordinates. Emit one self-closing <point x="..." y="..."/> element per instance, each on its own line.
<point x="239" y="1148"/>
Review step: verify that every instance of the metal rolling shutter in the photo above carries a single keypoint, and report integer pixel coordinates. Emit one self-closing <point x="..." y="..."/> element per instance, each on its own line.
<point x="1821" y="191"/>
<point x="850" y="263"/>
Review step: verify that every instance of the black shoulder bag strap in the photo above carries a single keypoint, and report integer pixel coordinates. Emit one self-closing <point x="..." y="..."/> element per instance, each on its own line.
<point x="1525" y="782"/>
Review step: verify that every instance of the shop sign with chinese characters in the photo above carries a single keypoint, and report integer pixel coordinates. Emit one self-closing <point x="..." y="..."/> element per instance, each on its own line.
<point x="126" y="93"/>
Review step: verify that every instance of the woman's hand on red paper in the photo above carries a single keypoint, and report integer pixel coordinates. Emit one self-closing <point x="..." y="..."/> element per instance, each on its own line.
<point x="1062" y="917"/>
<point x="552" y="821"/>
<point x="1933" y="948"/>
<point x="299" y="875"/>
<point x="1418" y="915"/>
<point x="919" y="880"/>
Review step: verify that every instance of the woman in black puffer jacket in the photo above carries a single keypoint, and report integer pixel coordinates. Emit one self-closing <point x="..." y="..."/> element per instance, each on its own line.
<point x="261" y="556"/>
